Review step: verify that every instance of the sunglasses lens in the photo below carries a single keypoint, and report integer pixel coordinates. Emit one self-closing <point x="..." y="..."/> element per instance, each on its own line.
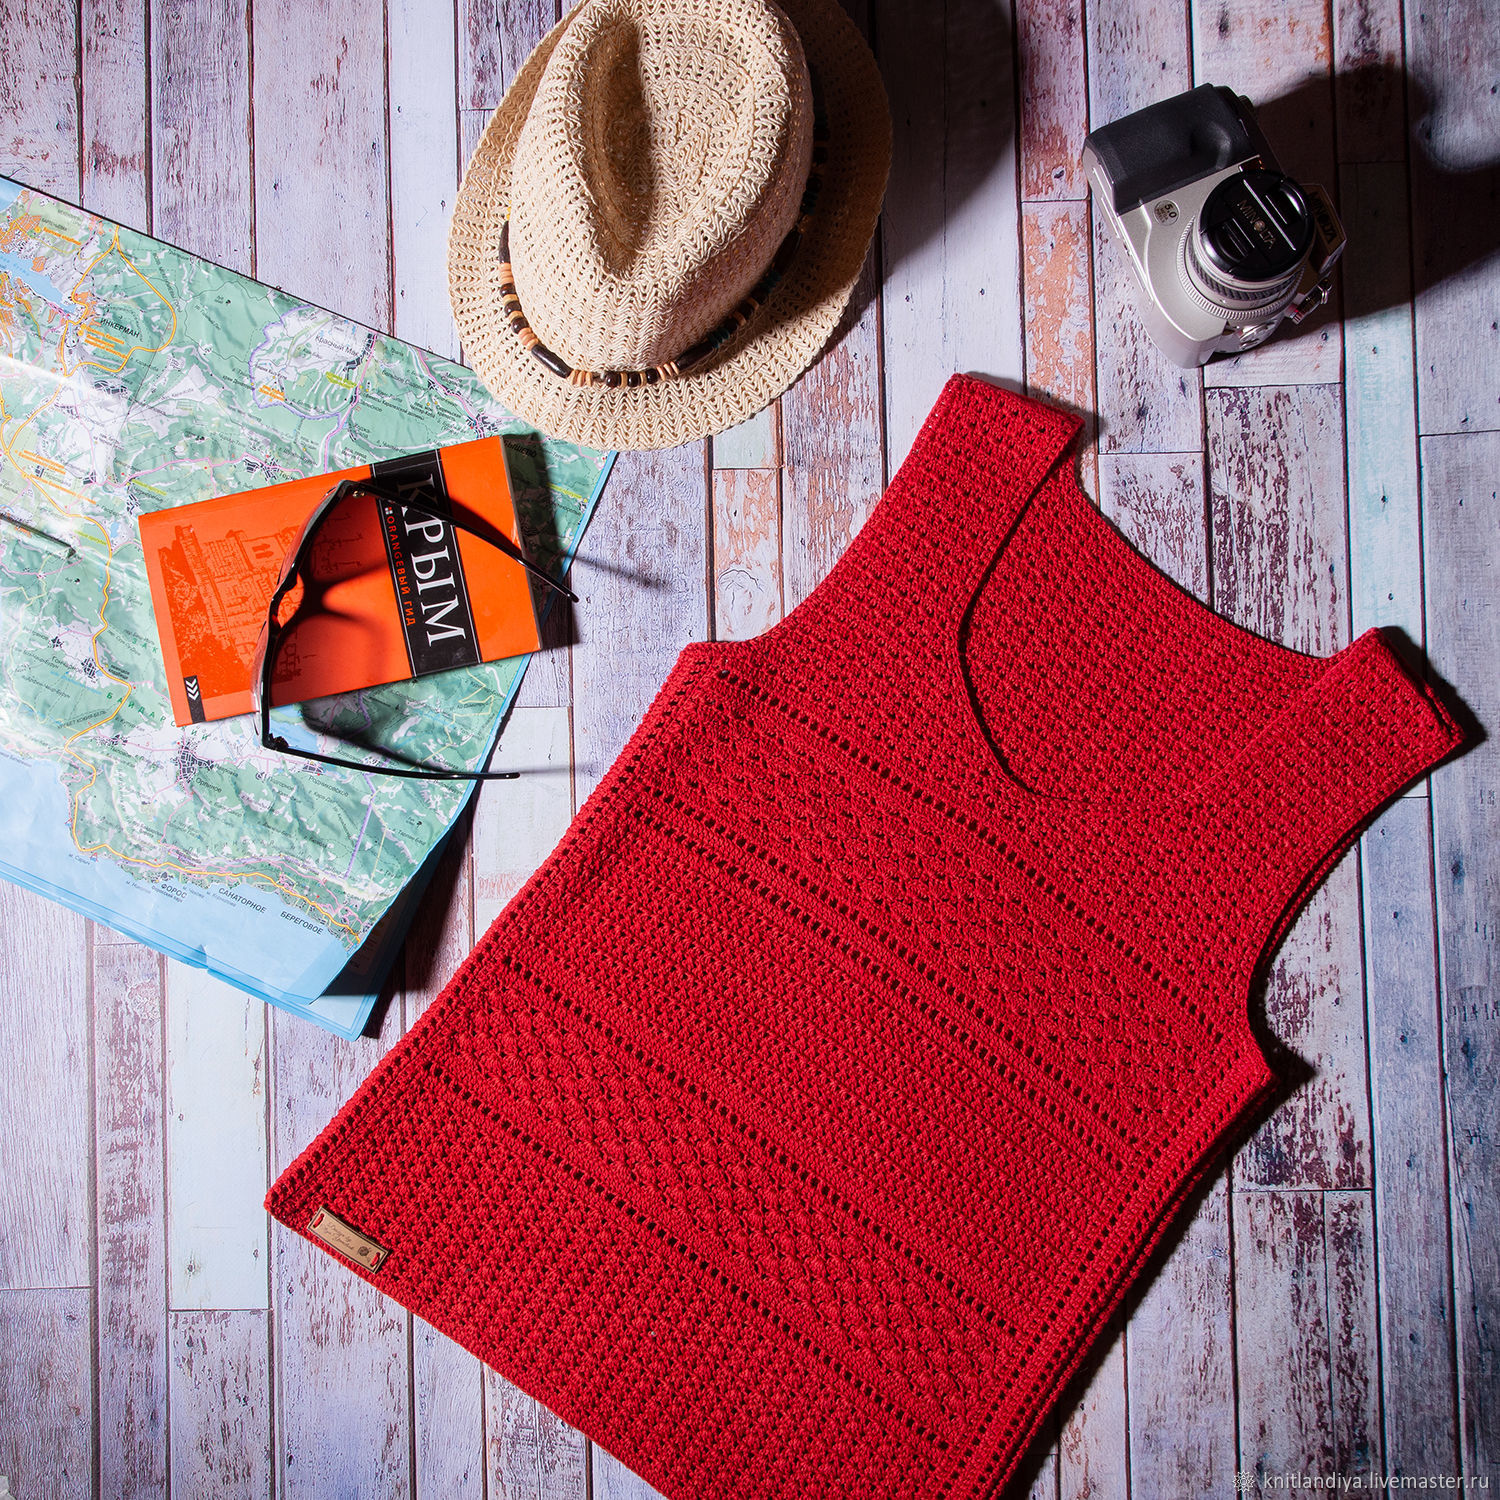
<point x="332" y="623"/>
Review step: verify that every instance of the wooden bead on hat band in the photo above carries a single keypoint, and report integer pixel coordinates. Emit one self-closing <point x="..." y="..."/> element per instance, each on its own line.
<point x="510" y="300"/>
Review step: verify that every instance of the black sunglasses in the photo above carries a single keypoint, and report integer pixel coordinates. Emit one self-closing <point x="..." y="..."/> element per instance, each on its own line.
<point x="295" y="570"/>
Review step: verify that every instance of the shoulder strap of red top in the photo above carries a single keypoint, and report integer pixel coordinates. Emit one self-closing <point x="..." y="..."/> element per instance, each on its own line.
<point x="905" y="581"/>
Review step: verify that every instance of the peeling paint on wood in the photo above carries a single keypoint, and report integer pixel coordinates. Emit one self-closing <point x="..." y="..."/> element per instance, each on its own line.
<point x="221" y="1404"/>
<point x="747" y="552"/>
<point x="130" y="1209"/>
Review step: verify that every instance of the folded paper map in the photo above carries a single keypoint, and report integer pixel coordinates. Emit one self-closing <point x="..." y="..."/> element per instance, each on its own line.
<point x="401" y="593"/>
<point x="137" y="377"/>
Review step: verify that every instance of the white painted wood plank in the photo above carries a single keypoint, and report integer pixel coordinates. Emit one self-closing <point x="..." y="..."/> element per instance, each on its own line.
<point x="1158" y="501"/>
<point x="342" y="1374"/>
<point x="1406" y="1098"/>
<point x="1354" y="1355"/>
<point x="1093" y="1450"/>
<point x="200" y="128"/>
<point x="46" y="1202"/>
<point x="532" y="1454"/>
<point x="131" y="1330"/>
<point x="1453" y="54"/>
<point x="950" y="233"/>
<point x="1180" y="1364"/>
<point x="46" y="1394"/>
<point x="447" y="1417"/>
<point x="1054" y="104"/>
<point x="221" y="1405"/>
<point x="613" y="1481"/>
<point x="1277" y="499"/>
<point x="38" y="95"/>
<point x="642" y="602"/>
<point x="753" y="444"/>
<point x="216" y="1142"/>
<point x="447" y="1405"/>
<point x="1369" y="80"/>
<point x="517" y="823"/>
<point x="833" y="446"/>
<point x="1058" y="274"/>
<point x="114" y="110"/>
<point x="322" y="229"/>
<point x="1461" y="504"/>
<point x="1281" y="1336"/>
<point x="747" y="552"/>
<point x="1385" y="522"/>
<point x="421" y="63"/>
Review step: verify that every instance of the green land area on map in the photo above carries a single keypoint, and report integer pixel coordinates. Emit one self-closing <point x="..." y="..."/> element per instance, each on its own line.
<point x="137" y="377"/>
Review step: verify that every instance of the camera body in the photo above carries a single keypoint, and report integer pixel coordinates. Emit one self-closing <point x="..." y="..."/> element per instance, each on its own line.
<point x="1223" y="244"/>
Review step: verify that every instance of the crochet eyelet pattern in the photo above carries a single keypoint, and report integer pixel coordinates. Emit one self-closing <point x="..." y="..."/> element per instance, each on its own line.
<point x="798" y="1127"/>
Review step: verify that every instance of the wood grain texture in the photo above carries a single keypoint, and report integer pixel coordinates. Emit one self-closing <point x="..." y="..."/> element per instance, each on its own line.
<point x="447" y="1394"/>
<point x="46" y="1202"/>
<point x="221" y="1404"/>
<point x="46" y="1394"/>
<point x="1158" y="500"/>
<point x="1093" y="1449"/>
<point x="342" y="1377"/>
<point x="422" y="101"/>
<point x="1461" y="495"/>
<point x="1180" y="1363"/>
<point x="321" y="222"/>
<point x="1277" y="499"/>
<point x="1411" y="1148"/>
<point x="39" y="114"/>
<point x="1054" y="106"/>
<point x="130" y="1210"/>
<point x="833" y="447"/>
<point x="1380" y="416"/>
<point x="1369" y="83"/>
<point x="1138" y="54"/>
<point x="949" y="246"/>
<point x="747" y="552"/>
<point x="216" y="1142"/>
<point x="1453" y="54"/>
<point x="1281" y="1343"/>
<point x="641" y="576"/>
<point x="115" y="88"/>
<point x="613" y="1481"/>
<point x="200" y="129"/>
<point x="1353" y="1339"/>
<point x="753" y="444"/>
<point x="1058" y="279"/>
<point x="533" y="1455"/>
<point x="517" y="823"/>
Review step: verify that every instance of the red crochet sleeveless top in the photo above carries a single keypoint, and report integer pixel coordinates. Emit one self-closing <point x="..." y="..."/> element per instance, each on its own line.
<point x="796" y="1129"/>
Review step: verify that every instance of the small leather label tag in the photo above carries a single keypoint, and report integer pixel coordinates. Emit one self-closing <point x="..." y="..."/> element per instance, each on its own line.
<point x="347" y="1240"/>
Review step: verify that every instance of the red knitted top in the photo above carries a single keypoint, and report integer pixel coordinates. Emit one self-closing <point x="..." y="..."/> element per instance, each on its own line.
<point x="797" y="1127"/>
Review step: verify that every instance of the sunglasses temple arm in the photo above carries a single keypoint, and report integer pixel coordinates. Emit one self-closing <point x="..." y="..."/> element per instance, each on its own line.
<point x="500" y="541"/>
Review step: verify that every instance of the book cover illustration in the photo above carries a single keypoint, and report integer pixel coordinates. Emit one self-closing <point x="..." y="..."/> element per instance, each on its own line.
<point x="400" y="593"/>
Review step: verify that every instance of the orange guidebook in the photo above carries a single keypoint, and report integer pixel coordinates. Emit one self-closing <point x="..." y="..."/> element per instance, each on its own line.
<point x="401" y="594"/>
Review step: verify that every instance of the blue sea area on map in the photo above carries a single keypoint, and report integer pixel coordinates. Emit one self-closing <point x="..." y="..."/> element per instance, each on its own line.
<point x="41" y="285"/>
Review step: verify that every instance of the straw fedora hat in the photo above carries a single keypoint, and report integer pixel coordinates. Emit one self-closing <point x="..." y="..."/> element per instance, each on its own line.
<point x="664" y="219"/>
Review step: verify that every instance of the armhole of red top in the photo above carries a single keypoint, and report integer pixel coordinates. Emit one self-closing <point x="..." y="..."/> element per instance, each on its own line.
<point x="1315" y="776"/>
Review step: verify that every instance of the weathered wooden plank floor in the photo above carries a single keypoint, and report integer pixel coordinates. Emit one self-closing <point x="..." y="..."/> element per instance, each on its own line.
<point x="1334" y="1305"/>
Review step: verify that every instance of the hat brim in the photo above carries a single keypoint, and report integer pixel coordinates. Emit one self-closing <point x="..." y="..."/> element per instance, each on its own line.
<point x="786" y="333"/>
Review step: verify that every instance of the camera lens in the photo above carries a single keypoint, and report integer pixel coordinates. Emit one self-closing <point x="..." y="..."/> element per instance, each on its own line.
<point x="1251" y="239"/>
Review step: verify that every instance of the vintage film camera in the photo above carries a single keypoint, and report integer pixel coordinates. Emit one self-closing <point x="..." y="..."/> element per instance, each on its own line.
<point x="1223" y="243"/>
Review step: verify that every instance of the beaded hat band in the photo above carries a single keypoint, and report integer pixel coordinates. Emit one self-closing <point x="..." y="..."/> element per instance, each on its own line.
<point x="661" y="226"/>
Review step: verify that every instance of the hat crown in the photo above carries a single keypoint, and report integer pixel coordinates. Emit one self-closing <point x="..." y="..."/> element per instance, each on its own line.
<point x="661" y="164"/>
